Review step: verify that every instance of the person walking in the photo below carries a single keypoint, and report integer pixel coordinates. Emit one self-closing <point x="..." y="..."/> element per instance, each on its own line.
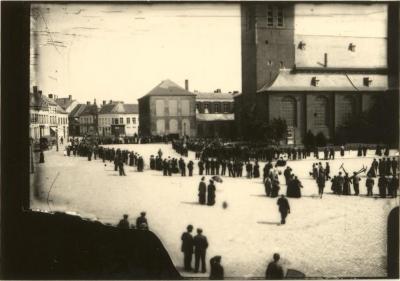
<point x="190" y="168"/>
<point x="202" y="191"/>
<point x="274" y="269"/>
<point x="284" y="208"/>
<point x="268" y="186"/>
<point x="200" y="247"/>
<point x="187" y="247"/>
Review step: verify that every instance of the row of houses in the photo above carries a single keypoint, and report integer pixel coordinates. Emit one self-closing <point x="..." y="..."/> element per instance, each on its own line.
<point x="168" y="109"/>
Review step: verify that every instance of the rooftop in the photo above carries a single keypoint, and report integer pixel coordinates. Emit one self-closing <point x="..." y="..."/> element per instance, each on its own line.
<point x="286" y="81"/>
<point x="119" y="108"/>
<point x="215" y="96"/>
<point x="168" y="88"/>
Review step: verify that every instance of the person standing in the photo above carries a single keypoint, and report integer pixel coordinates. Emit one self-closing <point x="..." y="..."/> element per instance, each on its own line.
<point x="187" y="247"/>
<point x="274" y="270"/>
<point x="121" y="167"/>
<point x="202" y="192"/>
<point x="382" y="184"/>
<point x="211" y="193"/>
<point x="190" y="168"/>
<point x="321" y="183"/>
<point x="356" y="183"/>
<point x="268" y="186"/>
<point x="275" y="187"/>
<point x="124" y="223"/>
<point x="342" y="150"/>
<point x="200" y="247"/>
<point x="393" y="186"/>
<point x="370" y="185"/>
<point x="141" y="222"/>
<point x="217" y="270"/>
<point x="284" y="208"/>
<point x="394" y="165"/>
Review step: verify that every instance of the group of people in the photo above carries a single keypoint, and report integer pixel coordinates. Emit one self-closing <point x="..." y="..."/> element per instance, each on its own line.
<point x="141" y="222"/>
<point x="206" y="192"/>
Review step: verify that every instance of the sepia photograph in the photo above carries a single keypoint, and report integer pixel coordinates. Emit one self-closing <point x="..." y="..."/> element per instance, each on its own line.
<point x="200" y="140"/>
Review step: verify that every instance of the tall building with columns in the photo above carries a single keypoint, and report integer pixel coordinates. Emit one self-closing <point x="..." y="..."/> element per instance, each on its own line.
<point x="315" y="64"/>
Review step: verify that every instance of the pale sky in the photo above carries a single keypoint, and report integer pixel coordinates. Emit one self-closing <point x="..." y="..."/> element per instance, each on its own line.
<point x="122" y="51"/>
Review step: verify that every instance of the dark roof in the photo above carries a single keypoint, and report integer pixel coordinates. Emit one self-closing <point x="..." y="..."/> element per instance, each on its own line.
<point x="36" y="101"/>
<point x="41" y="102"/>
<point x="168" y="88"/>
<point x="131" y="108"/>
<point x="90" y="109"/>
<point x="76" y="112"/>
<point x="64" y="102"/>
<point x="119" y="108"/>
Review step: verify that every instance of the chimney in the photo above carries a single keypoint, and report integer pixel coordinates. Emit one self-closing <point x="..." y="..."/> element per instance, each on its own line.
<point x="70" y="97"/>
<point x="217" y="91"/>
<point x="88" y="102"/>
<point x="94" y="101"/>
<point x="50" y="96"/>
<point x="187" y="85"/>
<point x="325" y="60"/>
<point x="104" y="102"/>
<point x="35" y="90"/>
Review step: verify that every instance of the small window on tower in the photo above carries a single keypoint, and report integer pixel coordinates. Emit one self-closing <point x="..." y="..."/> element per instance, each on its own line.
<point x="280" y="16"/>
<point x="367" y="81"/>
<point x="270" y="16"/>
<point x="302" y="45"/>
<point x="314" y="81"/>
<point x="352" y="47"/>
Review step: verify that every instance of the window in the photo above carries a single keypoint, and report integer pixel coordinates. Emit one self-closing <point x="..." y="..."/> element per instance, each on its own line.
<point x="347" y="109"/>
<point x="160" y="126"/>
<point x="173" y="107"/>
<point x="288" y="110"/>
<point x="133" y="120"/>
<point x="280" y="17"/>
<point x="185" y="107"/>
<point x="115" y="121"/>
<point x="173" y="126"/>
<point x="121" y="120"/>
<point x="217" y="108"/>
<point x="270" y="16"/>
<point x="206" y="107"/>
<point x="226" y="107"/>
<point x="159" y="107"/>
<point x="128" y="120"/>
<point x="197" y="107"/>
<point x="321" y="111"/>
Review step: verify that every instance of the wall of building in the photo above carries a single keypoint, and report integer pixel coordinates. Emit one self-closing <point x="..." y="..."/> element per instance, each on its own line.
<point x="276" y="110"/>
<point x="181" y="120"/>
<point x="320" y="113"/>
<point x="222" y="129"/>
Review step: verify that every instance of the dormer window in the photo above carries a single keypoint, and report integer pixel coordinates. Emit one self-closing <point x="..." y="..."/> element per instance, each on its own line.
<point x="314" y="81"/>
<point x="352" y="47"/>
<point x="367" y="81"/>
<point x="302" y="45"/>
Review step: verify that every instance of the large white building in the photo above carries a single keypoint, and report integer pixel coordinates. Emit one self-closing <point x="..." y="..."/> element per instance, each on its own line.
<point x="47" y="118"/>
<point x="118" y="119"/>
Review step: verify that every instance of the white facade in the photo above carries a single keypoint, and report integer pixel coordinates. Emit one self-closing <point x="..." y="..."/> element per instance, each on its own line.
<point x="130" y="122"/>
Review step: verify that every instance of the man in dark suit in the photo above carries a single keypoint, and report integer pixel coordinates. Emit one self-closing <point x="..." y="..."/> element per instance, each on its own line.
<point x="200" y="246"/>
<point x="202" y="191"/>
<point x="274" y="270"/>
<point x="187" y="247"/>
<point x="284" y="208"/>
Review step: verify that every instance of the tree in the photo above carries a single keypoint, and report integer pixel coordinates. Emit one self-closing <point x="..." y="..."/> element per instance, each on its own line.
<point x="320" y="139"/>
<point x="309" y="140"/>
